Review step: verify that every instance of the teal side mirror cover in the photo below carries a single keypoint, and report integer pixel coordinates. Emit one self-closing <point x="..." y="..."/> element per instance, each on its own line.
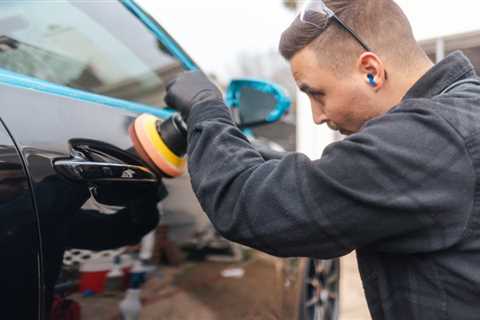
<point x="283" y="101"/>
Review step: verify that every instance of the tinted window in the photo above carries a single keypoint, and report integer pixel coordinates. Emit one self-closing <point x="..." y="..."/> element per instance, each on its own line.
<point x="97" y="46"/>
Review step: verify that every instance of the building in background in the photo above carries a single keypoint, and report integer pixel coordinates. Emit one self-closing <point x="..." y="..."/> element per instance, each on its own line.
<point x="468" y="43"/>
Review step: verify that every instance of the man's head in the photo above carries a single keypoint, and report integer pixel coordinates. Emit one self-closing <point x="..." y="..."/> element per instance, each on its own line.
<point x="346" y="84"/>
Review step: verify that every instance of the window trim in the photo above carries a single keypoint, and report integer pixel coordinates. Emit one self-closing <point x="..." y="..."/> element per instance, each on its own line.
<point x="160" y="33"/>
<point x="22" y="81"/>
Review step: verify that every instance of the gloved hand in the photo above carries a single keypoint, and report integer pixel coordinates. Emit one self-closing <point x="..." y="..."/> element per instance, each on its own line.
<point x="190" y="89"/>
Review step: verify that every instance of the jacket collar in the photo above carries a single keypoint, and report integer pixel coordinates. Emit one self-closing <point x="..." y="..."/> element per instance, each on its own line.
<point x="453" y="68"/>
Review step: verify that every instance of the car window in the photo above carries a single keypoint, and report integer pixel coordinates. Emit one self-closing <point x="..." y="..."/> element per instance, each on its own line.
<point x="97" y="46"/>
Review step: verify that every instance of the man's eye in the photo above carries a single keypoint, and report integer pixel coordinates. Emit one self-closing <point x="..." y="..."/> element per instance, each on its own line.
<point x="317" y="95"/>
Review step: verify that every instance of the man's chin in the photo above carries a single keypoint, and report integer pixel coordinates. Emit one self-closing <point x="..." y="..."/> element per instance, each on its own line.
<point x="335" y="127"/>
<point x="345" y="132"/>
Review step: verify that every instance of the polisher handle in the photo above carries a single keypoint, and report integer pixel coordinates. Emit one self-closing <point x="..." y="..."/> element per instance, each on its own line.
<point x="174" y="133"/>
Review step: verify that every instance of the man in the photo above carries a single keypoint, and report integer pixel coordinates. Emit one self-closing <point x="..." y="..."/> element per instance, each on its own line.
<point x="401" y="189"/>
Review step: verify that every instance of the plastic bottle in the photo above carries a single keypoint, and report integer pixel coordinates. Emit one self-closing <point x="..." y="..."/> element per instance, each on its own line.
<point x="114" y="280"/>
<point x="130" y="306"/>
<point x="137" y="274"/>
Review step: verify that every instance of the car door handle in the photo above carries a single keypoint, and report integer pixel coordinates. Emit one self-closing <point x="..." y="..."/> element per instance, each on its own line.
<point x="103" y="172"/>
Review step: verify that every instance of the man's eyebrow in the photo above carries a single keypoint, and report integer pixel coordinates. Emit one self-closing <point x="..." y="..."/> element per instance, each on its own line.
<point x="309" y="90"/>
<point x="304" y="87"/>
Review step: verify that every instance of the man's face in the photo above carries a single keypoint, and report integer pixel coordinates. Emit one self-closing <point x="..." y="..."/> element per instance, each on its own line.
<point x="344" y="101"/>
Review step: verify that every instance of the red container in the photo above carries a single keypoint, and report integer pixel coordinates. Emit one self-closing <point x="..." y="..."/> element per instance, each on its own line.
<point x="93" y="275"/>
<point x="93" y="281"/>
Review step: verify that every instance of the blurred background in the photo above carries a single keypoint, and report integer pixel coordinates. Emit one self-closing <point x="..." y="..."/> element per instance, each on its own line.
<point x="235" y="39"/>
<point x="232" y="39"/>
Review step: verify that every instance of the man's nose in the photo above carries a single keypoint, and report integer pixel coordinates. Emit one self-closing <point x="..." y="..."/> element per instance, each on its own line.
<point x="318" y="116"/>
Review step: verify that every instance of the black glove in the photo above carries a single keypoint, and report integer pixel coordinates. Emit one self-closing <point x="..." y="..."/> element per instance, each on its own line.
<point x="190" y="89"/>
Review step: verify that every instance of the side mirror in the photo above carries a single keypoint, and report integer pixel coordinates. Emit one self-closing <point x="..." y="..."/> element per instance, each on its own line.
<point x="256" y="102"/>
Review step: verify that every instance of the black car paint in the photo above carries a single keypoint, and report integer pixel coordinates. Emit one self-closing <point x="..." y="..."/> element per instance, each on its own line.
<point x="20" y="273"/>
<point x="48" y="127"/>
<point x="44" y="138"/>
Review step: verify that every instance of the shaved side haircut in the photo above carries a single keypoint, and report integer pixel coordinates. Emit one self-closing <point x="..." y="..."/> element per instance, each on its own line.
<point x="380" y="23"/>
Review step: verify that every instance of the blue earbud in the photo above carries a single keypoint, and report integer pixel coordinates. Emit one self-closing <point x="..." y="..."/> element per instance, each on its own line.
<point x="371" y="80"/>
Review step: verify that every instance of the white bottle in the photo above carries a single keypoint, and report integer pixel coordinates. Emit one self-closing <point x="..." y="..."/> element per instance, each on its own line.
<point x="130" y="305"/>
<point x="114" y="280"/>
<point x="137" y="275"/>
<point x="148" y="242"/>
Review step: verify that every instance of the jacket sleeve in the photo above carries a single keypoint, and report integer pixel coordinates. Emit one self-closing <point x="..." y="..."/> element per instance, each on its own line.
<point x="404" y="183"/>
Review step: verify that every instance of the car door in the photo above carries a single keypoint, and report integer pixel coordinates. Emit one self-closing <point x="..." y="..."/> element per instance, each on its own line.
<point x="20" y="273"/>
<point x="73" y="76"/>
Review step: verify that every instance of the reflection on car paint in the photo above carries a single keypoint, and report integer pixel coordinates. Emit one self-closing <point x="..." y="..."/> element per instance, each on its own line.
<point x="19" y="238"/>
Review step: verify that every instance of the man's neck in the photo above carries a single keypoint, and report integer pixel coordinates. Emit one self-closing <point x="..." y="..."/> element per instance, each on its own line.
<point x="415" y="74"/>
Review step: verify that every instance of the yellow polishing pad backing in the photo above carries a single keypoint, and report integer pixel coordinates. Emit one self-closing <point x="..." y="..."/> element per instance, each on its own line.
<point x="148" y="142"/>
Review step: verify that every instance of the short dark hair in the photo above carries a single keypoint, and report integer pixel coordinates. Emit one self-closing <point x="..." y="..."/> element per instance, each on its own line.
<point x="381" y="24"/>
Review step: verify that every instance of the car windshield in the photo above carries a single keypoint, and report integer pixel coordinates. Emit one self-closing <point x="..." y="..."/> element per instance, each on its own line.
<point x="97" y="46"/>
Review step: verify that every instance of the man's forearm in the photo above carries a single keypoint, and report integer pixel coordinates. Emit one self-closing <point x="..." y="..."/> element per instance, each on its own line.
<point x="249" y="200"/>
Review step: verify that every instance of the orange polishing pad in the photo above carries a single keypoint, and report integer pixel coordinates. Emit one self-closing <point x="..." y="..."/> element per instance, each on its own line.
<point x="151" y="147"/>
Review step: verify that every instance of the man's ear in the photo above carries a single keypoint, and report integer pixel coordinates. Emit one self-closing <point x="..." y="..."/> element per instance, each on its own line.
<point x="372" y="68"/>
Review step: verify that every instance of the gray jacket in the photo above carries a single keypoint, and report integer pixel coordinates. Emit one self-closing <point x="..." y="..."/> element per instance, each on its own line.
<point x="404" y="192"/>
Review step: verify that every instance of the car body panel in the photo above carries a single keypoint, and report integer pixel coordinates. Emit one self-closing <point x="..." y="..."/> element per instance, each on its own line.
<point x="44" y="138"/>
<point x="19" y="237"/>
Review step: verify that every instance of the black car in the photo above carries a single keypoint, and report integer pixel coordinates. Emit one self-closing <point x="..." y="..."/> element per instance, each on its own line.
<point x="74" y="75"/>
